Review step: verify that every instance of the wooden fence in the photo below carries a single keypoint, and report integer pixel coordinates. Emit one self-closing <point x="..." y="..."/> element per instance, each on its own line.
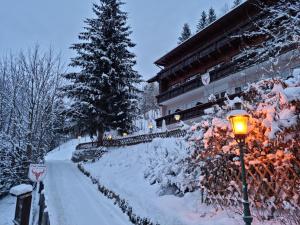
<point x="43" y="212"/>
<point x="273" y="185"/>
<point x="133" y="140"/>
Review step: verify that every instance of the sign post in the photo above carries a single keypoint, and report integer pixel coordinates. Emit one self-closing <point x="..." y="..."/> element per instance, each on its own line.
<point x="36" y="173"/>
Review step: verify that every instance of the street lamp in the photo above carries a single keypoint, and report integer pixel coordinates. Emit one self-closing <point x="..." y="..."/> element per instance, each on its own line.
<point x="150" y="126"/>
<point x="239" y="122"/>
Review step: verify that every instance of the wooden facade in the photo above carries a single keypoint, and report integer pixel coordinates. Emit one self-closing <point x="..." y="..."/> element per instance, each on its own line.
<point x="214" y="50"/>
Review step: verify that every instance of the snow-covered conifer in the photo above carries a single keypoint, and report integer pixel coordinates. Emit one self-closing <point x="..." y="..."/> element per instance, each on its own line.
<point x="236" y="3"/>
<point x="104" y="91"/>
<point x="211" y="15"/>
<point x="202" y="22"/>
<point x="185" y="34"/>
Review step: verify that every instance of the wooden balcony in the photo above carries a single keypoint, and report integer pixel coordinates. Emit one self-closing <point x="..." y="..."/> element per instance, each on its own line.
<point x="192" y="113"/>
<point x="210" y="47"/>
<point x="219" y="73"/>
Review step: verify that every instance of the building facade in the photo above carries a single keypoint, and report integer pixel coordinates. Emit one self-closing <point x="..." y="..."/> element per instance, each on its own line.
<point x="211" y="63"/>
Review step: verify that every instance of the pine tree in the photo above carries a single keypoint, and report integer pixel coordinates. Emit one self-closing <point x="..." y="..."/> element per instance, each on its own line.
<point x="225" y="9"/>
<point x="236" y="3"/>
<point x="211" y="15"/>
<point x="202" y="22"/>
<point x="149" y="101"/>
<point x="104" y="92"/>
<point x="185" y="34"/>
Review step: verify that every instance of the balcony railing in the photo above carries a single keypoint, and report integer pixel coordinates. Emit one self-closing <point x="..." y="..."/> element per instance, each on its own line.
<point x="224" y="70"/>
<point x="192" y="113"/>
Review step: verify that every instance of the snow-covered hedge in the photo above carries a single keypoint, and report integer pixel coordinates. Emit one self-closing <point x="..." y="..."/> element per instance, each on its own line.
<point x="209" y="159"/>
<point x="273" y="157"/>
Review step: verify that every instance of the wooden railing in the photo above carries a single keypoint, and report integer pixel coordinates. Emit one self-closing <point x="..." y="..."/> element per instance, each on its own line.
<point x="192" y="112"/>
<point x="133" y="140"/>
<point x="223" y="71"/>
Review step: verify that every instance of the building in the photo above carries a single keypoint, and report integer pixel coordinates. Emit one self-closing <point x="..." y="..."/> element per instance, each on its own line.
<point x="212" y="57"/>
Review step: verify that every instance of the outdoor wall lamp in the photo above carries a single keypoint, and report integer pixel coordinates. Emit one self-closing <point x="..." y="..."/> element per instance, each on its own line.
<point x="177" y="117"/>
<point x="150" y="126"/>
<point x="239" y="120"/>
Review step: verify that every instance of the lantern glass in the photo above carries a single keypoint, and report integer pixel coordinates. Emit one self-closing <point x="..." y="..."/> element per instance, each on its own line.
<point x="125" y="134"/>
<point x="150" y="125"/>
<point x="177" y="117"/>
<point x="109" y="137"/>
<point x="239" y="124"/>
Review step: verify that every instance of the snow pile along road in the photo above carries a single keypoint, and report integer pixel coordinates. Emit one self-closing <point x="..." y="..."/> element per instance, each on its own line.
<point x="7" y="210"/>
<point x="63" y="152"/>
<point x="124" y="171"/>
<point x="71" y="198"/>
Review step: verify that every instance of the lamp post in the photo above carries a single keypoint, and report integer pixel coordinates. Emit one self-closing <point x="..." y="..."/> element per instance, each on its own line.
<point x="177" y="117"/>
<point x="150" y="126"/>
<point x="239" y="122"/>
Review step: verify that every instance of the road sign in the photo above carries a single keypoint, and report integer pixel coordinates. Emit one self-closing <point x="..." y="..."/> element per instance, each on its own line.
<point x="37" y="172"/>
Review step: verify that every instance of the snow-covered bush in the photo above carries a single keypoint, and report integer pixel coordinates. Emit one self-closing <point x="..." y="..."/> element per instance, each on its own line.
<point x="166" y="167"/>
<point x="273" y="153"/>
<point x="209" y="158"/>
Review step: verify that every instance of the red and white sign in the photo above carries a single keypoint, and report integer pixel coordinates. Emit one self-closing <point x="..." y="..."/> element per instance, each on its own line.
<point x="37" y="172"/>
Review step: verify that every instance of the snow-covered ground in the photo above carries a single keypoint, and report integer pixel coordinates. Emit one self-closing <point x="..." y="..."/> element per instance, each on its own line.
<point x="7" y="210"/>
<point x="70" y="196"/>
<point x="123" y="170"/>
<point x="64" y="151"/>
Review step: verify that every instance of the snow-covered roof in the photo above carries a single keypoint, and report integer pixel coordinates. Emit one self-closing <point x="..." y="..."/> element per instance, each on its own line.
<point x="199" y="34"/>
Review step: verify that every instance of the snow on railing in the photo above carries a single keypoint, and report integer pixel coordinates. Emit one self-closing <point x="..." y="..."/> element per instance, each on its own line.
<point x="133" y="140"/>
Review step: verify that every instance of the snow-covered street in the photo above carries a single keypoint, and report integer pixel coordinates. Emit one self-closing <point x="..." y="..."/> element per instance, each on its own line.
<point x="73" y="200"/>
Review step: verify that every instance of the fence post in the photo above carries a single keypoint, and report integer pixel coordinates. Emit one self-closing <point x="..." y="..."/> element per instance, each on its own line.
<point x="23" y="192"/>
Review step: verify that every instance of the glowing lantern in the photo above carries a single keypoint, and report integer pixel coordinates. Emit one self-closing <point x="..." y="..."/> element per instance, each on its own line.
<point x="177" y="117"/>
<point x="150" y="125"/>
<point x="125" y="134"/>
<point x="239" y="122"/>
<point x="109" y="137"/>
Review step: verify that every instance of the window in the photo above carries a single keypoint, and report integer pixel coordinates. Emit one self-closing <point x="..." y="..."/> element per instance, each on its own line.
<point x="199" y="103"/>
<point x="223" y="94"/>
<point x="237" y="90"/>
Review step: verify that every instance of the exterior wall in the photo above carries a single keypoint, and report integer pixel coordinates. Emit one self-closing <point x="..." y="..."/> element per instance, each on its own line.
<point x="201" y="69"/>
<point x="228" y="84"/>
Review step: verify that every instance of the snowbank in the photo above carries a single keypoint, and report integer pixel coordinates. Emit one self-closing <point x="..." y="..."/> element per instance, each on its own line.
<point x="7" y="210"/>
<point x="129" y="172"/>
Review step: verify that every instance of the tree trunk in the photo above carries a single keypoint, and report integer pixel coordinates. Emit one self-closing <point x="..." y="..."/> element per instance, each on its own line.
<point x="100" y="134"/>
